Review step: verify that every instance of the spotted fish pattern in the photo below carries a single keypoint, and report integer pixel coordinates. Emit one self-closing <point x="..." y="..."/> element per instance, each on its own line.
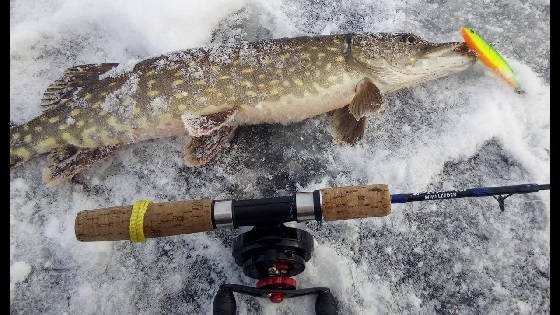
<point x="206" y="92"/>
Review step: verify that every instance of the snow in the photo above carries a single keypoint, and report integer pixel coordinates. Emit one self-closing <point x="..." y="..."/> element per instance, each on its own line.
<point x="122" y="97"/>
<point x="158" y="106"/>
<point x="19" y="272"/>
<point x="466" y="130"/>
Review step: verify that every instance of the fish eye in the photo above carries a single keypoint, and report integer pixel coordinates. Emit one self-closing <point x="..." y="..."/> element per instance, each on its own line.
<point x="410" y="39"/>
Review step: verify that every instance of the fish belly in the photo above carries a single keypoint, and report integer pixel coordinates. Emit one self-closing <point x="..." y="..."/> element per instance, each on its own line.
<point x="290" y="108"/>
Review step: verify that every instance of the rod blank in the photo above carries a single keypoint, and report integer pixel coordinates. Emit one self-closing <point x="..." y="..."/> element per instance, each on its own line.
<point x="473" y="192"/>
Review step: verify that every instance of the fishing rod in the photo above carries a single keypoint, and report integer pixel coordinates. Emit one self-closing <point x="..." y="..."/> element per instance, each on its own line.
<point x="499" y="193"/>
<point x="271" y="251"/>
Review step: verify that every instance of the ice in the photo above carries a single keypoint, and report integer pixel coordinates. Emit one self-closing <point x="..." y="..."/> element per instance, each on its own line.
<point x="466" y="130"/>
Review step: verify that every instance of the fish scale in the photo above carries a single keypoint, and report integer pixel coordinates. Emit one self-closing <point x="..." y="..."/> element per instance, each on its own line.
<point x="203" y="89"/>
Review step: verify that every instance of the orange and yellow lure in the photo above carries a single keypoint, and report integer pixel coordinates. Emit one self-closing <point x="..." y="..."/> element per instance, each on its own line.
<point x="490" y="57"/>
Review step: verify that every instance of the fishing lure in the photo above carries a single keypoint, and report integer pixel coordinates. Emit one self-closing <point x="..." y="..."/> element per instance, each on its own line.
<point x="490" y="57"/>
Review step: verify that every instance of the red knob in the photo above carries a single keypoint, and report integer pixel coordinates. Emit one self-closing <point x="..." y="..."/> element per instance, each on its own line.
<point x="276" y="297"/>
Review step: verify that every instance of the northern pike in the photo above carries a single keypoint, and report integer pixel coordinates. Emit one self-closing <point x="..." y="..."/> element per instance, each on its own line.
<point x="205" y="93"/>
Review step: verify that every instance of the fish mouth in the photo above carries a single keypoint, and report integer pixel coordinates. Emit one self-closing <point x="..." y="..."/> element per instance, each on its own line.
<point x="455" y="49"/>
<point x="454" y="56"/>
<point x="463" y="49"/>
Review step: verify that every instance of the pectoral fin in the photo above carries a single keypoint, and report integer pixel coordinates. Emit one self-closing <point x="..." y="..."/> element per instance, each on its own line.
<point x="368" y="99"/>
<point x="68" y="161"/>
<point x="200" y="150"/>
<point x="349" y="122"/>
<point x="346" y="128"/>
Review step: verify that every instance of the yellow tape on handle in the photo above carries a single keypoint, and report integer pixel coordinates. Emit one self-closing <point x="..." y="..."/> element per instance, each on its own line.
<point x="136" y="225"/>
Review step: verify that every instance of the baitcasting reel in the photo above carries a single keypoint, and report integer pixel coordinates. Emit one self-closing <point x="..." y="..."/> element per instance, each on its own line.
<point x="273" y="254"/>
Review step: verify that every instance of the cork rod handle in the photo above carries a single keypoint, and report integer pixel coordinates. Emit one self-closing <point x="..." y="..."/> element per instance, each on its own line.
<point x="355" y="202"/>
<point x="161" y="219"/>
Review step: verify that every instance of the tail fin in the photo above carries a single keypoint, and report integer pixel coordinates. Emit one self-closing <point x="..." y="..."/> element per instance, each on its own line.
<point x="24" y="143"/>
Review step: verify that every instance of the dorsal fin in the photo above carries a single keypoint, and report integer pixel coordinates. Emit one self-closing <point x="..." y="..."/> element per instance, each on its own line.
<point x="61" y="90"/>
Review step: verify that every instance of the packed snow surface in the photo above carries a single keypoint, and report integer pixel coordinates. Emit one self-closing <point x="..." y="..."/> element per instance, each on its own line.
<point x="463" y="131"/>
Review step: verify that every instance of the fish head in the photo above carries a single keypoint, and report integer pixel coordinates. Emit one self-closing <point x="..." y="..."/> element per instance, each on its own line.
<point x="404" y="59"/>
